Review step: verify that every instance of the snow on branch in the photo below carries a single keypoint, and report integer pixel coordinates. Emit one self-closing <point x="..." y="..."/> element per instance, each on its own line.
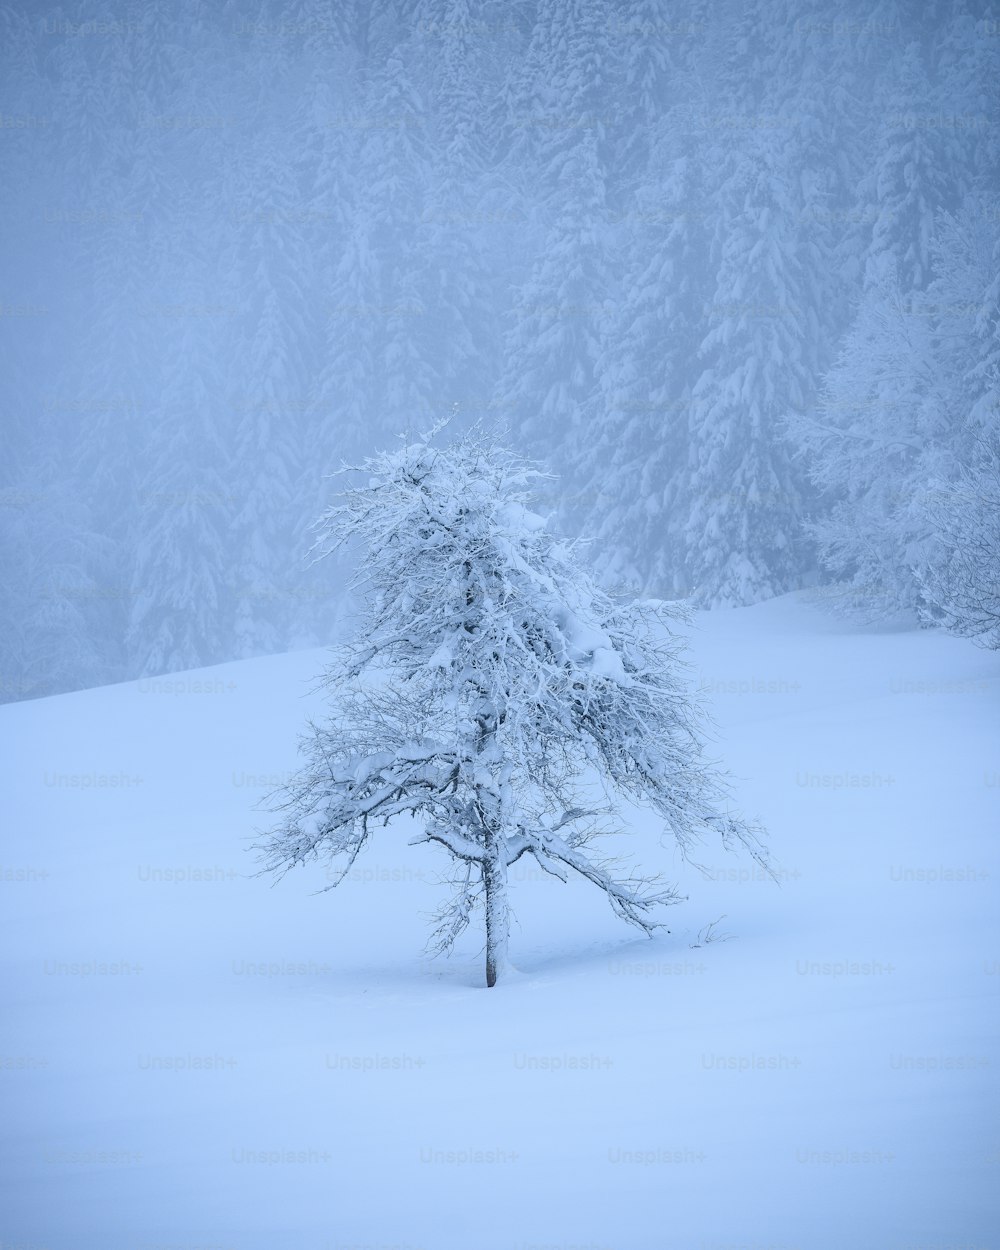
<point x="491" y="682"/>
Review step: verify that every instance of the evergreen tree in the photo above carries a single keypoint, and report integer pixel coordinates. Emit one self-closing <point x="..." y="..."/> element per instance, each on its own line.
<point x="270" y="380"/>
<point x="553" y="349"/>
<point x="913" y="393"/>
<point x="745" y="500"/>
<point x="179" y="601"/>
<point x="966" y="96"/>
<point x="52" y="608"/>
<point x="650" y="39"/>
<point x="909" y="181"/>
<point x="562" y="97"/>
<point x="456" y="238"/>
<point x="633" y="475"/>
<point x="961" y="589"/>
<point x="379" y="341"/>
<point x="876" y="435"/>
<point x="611" y="182"/>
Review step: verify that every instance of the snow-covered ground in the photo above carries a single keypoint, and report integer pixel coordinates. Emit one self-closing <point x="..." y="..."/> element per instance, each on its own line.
<point x="194" y="1058"/>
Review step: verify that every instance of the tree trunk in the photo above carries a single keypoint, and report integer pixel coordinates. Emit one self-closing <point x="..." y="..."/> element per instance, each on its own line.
<point x="495" y="887"/>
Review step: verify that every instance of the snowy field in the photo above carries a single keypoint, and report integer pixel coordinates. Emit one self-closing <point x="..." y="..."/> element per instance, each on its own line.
<point x="194" y="1058"/>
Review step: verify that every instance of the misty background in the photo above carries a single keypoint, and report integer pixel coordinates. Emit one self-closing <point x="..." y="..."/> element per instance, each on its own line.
<point x="730" y="270"/>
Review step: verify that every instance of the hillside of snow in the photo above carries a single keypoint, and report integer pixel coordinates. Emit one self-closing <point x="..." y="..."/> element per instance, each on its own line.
<point x="193" y="1057"/>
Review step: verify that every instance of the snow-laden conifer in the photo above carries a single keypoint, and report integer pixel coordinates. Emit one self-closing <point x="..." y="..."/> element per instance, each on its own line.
<point x="961" y="588"/>
<point x="490" y="690"/>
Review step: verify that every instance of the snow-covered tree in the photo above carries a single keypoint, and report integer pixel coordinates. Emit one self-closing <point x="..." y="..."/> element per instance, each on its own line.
<point x="674" y="208"/>
<point x="650" y="48"/>
<point x="268" y="351"/>
<point x="909" y="180"/>
<point x="52" y="608"/>
<point x="633" y="469"/>
<point x="490" y="690"/>
<point x="745" y="499"/>
<point x="553" y="347"/>
<point x="379" y="342"/>
<point x="915" y="390"/>
<point x="962" y="587"/>
<point x="560" y="95"/>
<point x="178" y="593"/>
<point x="456" y="242"/>
<point x="877" y="437"/>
